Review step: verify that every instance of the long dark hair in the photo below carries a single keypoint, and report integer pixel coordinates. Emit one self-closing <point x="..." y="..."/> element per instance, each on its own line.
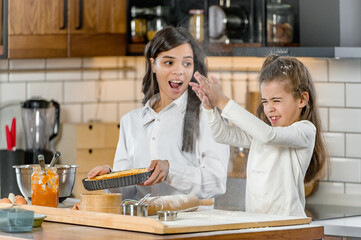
<point x="298" y="80"/>
<point x="165" y="40"/>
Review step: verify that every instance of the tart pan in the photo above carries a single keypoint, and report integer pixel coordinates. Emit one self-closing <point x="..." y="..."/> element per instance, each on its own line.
<point x="116" y="182"/>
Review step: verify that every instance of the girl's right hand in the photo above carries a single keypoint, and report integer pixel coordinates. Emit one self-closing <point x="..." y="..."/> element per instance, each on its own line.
<point x="99" y="170"/>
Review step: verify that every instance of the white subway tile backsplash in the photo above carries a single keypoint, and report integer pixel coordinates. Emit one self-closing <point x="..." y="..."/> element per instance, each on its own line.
<point x="138" y="91"/>
<point x="26" y="76"/>
<point x="124" y="108"/>
<point x="127" y="62"/>
<point x="226" y="75"/>
<point x="100" y="62"/>
<point x="77" y="92"/>
<point x="140" y="67"/>
<point x="71" y="113"/>
<point x="120" y="90"/>
<point x="240" y="76"/>
<point x="12" y="92"/>
<point x="353" y="145"/>
<point x="353" y="188"/>
<point x="227" y="88"/>
<point x="335" y="143"/>
<point x="251" y="63"/>
<point x="353" y="92"/>
<point x="4" y="64"/>
<point x="318" y="68"/>
<point x="27" y="64"/>
<point x="108" y="74"/>
<point x="239" y="91"/>
<point x="345" y="170"/>
<point x="91" y="74"/>
<point x="127" y="74"/>
<point x="324" y="118"/>
<point x="217" y="75"/>
<point x="331" y="94"/>
<point x="63" y="75"/>
<point x="345" y="120"/>
<point x="4" y="77"/>
<point x="344" y="70"/>
<point x="219" y="63"/>
<point x="46" y="90"/>
<point x="106" y="112"/>
<point x="54" y="63"/>
<point x="331" y="187"/>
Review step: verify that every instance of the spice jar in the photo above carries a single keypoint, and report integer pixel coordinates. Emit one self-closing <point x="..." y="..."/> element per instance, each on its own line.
<point x="157" y="23"/>
<point x="196" y="24"/>
<point x="279" y="22"/>
<point x="45" y="187"/>
<point x="138" y="25"/>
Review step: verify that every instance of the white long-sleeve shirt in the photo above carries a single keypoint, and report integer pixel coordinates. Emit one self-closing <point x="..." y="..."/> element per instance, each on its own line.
<point x="146" y="135"/>
<point x="277" y="162"/>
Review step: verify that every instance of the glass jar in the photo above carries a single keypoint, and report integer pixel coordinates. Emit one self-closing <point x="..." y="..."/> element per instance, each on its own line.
<point x="279" y="22"/>
<point x="157" y="23"/>
<point x="138" y="25"/>
<point x="196" y="24"/>
<point x="45" y="187"/>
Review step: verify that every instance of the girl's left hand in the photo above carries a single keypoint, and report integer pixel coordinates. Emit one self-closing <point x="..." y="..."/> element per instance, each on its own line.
<point x="160" y="173"/>
<point x="204" y="99"/>
<point x="211" y="88"/>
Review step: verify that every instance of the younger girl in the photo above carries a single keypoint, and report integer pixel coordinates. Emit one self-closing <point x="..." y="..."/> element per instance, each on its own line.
<point x="286" y="146"/>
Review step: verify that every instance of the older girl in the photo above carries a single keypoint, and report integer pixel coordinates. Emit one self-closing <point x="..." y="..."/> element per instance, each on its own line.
<point x="170" y="133"/>
<point x="286" y="146"/>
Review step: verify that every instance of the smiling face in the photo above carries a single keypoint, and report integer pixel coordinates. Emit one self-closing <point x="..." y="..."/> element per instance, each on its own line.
<point x="174" y="70"/>
<point x="280" y="107"/>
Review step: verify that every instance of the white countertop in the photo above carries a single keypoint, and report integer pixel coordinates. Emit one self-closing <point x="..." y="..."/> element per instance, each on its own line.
<point x="348" y="226"/>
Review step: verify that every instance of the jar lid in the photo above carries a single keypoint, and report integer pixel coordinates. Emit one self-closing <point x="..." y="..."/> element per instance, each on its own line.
<point x="196" y="11"/>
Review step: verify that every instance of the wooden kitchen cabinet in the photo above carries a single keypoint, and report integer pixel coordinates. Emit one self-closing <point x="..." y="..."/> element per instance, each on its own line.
<point x="87" y="145"/>
<point x="66" y="28"/>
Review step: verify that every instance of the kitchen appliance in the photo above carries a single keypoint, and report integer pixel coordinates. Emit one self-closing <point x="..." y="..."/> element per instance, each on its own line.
<point x="228" y="24"/>
<point x="40" y="124"/>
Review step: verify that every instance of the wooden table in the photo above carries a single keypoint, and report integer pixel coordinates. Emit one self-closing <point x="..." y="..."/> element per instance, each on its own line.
<point x="61" y="231"/>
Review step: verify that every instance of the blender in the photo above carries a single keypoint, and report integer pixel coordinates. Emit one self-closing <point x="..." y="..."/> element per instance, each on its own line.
<point x="40" y="120"/>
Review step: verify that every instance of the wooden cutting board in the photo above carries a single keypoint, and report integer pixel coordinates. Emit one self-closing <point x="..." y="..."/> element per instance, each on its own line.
<point x="199" y="221"/>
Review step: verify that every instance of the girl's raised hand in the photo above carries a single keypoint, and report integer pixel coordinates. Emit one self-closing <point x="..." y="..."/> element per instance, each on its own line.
<point x="212" y="89"/>
<point x="204" y="99"/>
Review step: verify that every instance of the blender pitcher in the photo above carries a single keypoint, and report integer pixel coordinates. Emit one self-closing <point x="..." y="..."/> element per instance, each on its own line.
<point x="41" y="124"/>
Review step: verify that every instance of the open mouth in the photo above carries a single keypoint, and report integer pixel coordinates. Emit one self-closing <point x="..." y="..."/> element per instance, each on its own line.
<point x="274" y="118"/>
<point x="175" y="84"/>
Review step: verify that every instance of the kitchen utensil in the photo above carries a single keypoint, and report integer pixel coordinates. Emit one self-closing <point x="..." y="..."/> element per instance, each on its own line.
<point x="167" y="215"/>
<point x="142" y="200"/>
<point x="40" y="120"/>
<point x="132" y="209"/>
<point x="11" y="135"/>
<point x="66" y="179"/>
<point x="38" y="219"/>
<point x="177" y="203"/>
<point x="208" y="220"/>
<point x="42" y="163"/>
<point x="101" y="202"/>
<point x="55" y="158"/>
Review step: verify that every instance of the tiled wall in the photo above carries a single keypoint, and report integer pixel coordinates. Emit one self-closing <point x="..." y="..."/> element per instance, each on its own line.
<point x="106" y="88"/>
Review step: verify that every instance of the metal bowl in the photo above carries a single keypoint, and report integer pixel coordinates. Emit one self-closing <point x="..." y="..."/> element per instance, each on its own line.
<point x="66" y="179"/>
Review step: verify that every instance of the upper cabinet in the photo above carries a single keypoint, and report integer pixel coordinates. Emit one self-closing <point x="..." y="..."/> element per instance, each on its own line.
<point x="66" y="28"/>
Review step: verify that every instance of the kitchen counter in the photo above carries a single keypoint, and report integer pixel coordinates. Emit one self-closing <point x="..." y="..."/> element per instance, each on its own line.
<point x="343" y="227"/>
<point x="59" y="231"/>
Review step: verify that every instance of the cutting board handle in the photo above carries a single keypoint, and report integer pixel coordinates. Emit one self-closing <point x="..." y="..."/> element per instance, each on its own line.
<point x="206" y="202"/>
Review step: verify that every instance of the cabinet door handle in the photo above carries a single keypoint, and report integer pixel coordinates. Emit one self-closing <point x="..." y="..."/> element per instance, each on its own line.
<point x="65" y="9"/>
<point x="80" y="23"/>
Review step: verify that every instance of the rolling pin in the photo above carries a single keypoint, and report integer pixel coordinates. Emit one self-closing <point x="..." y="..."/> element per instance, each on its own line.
<point x="176" y="203"/>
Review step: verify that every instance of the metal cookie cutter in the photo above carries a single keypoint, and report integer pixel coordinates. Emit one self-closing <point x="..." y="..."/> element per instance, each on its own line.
<point x="167" y="215"/>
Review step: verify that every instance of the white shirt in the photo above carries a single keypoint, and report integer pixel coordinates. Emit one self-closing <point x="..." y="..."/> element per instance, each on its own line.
<point x="202" y="172"/>
<point x="277" y="162"/>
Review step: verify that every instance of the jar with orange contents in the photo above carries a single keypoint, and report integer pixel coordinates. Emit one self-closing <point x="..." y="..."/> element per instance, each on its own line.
<point x="45" y="187"/>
